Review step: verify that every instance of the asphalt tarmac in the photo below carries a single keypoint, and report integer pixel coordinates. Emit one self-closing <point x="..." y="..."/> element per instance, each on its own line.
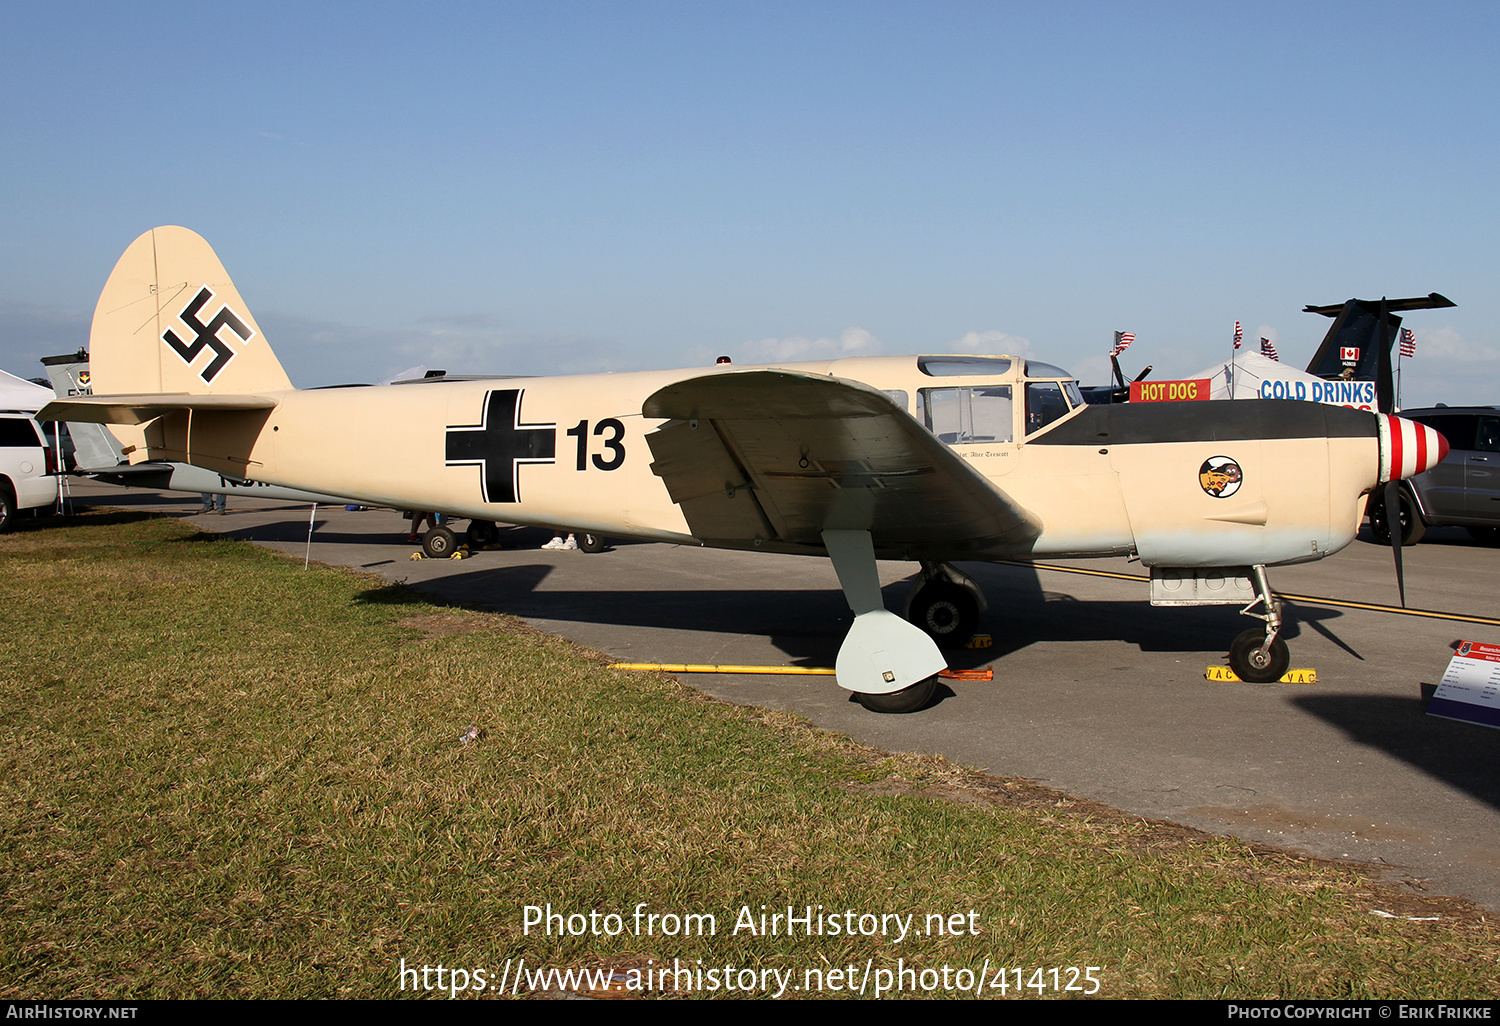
<point x="1096" y="693"/>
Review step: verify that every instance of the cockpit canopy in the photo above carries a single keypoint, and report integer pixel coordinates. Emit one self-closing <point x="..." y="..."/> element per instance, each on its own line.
<point x="983" y="410"/>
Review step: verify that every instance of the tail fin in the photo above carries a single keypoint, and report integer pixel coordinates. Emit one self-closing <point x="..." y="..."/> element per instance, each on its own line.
<point x="94" y="448"/>
<point x="180" y="368"/>
<point x="170" y="320"/>
<point x="1353" y="346"/>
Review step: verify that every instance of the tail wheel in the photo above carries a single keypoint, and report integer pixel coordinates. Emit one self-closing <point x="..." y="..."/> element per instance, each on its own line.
<point x="439" y="543"/>
<point x="591" y="543"/>
<point x="1250" y="664"/>
<point x="482" y="533"/>
<point x="904" y="701"/>
<point x="947" y="612"/>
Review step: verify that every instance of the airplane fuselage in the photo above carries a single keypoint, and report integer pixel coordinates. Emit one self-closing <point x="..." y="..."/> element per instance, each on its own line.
<point x="1284" y="486"/>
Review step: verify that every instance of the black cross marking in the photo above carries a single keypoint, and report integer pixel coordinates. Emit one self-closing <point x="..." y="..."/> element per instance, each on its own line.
<point x="207" y="335"/>
<point x="499" y="444"/>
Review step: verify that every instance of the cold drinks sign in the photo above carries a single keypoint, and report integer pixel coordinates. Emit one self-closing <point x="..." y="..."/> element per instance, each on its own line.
<point x="1360" y="394"/>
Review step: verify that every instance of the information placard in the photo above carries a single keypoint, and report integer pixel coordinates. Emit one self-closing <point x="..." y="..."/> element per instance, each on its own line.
<point x="1470" y="690"/>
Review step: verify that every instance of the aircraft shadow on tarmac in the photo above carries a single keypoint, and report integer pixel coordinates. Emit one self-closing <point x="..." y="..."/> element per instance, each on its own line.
<point x="1462" y="755"/>
<point x="807" y="625"/>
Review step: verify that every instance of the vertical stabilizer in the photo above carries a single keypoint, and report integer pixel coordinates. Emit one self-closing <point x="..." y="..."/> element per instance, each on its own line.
<point x="170" y="320"/>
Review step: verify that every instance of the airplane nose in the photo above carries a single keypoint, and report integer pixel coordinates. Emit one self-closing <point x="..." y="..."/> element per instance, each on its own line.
<point x="1408" y="448"/>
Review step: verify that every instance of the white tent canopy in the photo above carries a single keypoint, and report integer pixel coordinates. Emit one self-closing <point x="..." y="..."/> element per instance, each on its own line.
<point x="1260" y="377"/>
<point x="20" y="394"/>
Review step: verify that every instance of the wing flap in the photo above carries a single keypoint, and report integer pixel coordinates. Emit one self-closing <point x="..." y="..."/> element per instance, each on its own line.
<point x="819" y="453"/>
<point x="703" y="479"/>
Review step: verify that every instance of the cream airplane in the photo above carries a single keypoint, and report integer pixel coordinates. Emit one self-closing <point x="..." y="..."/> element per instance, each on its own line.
<point x="924" y="458"/>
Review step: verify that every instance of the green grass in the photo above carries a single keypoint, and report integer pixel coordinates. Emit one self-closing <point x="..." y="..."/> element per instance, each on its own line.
<point x="224" y="776"/>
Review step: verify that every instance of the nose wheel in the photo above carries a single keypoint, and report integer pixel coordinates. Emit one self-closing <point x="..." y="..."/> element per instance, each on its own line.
<point x="1259" y="655"/>
<point x="1253" y="660"/>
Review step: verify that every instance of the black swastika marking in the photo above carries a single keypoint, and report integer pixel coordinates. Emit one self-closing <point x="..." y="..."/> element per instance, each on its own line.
<point x="207" y="335"/>
<point x="499" y="444"/>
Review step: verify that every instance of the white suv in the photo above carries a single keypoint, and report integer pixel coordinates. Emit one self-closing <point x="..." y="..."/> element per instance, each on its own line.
<point x="28" y="467"/>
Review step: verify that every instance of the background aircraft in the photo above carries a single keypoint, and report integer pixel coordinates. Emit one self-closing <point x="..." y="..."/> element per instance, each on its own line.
<point x="925" y="458"/>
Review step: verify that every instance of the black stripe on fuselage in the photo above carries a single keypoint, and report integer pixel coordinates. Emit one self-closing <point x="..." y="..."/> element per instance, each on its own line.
<point x="1215" y="421"/>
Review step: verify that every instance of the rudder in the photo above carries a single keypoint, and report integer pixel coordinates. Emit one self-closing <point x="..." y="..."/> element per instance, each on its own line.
<point x="171" y="320"/>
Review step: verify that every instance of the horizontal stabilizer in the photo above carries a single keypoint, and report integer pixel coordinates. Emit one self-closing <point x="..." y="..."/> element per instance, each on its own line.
<point x="141" y="409"/>
<point x="129" y="469"/>
<point x="1431" y="301"/>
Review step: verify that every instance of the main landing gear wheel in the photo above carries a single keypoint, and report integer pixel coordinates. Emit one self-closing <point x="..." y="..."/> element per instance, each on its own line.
<point x="590" y="543"/>
<point x="439" y="543"/>
<point x="904" y="701"/>
<point x="1249" y="663"/>
<point x="482" y="533"/>
<point x="947" y="612"/>
<point x="1412" y="527"/>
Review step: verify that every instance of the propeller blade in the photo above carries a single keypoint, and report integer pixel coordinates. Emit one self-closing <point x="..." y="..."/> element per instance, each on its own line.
<point x="1398" y="533"/>
<point x="1119" y="378"/>
<point x="1142" y="375"/>
<point x="1385" y="389"/>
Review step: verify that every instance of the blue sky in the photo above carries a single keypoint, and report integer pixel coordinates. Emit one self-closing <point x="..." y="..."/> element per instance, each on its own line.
<point x="568" y="187"/>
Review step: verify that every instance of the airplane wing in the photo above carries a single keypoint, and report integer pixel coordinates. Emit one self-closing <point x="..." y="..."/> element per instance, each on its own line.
<point x="780" y="455"/>
<point x="139" y="409"/>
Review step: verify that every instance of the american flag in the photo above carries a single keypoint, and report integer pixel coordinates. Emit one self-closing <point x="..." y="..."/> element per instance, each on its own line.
<point x="1268" y="348"/>
<point x="1239" y="334"/>
<point x="1408" y="343"/>
<point x="1122" y="342"/>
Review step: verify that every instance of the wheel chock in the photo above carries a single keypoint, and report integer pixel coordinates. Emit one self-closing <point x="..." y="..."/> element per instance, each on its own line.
<point x="980" y="641"/>
<point x="967" y="674"/>
<point x="418" y="555"/>
<point x="1224" y="673"/>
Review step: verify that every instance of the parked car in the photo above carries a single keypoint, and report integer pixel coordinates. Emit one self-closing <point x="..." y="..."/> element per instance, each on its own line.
<point x="1463" y="490"/>
<point x="28" y="467"/>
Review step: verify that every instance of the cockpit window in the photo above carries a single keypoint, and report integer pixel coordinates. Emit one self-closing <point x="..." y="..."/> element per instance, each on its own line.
<point x="1037" y="369"/>
<point x="964" y="366"/>
<point x="961" y="416"/>
<point x="1044" y="404"/>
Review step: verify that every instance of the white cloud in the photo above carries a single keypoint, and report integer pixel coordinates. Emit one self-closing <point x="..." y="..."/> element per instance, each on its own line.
<point x="853" y="341"/>
<point x="320" y="352"/>
<point x="991" y="343"/>
<point x="1448" y="344"/>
